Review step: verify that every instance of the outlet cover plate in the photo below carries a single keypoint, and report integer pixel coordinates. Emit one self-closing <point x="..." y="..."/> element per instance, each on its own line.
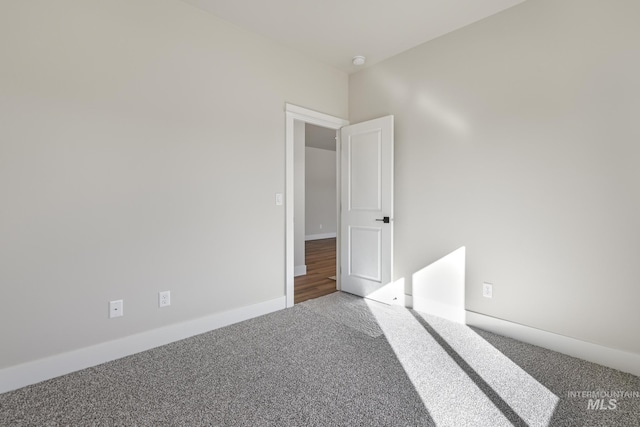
<point x="164" y="299"/>
<point x="487" y="290"/>
<point x="116" y="308"/>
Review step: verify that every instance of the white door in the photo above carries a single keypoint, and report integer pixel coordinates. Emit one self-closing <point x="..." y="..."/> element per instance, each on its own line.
<point x="366" y="213"/>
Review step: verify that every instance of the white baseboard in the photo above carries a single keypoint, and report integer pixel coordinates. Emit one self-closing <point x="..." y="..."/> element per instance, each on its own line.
<point x="320" y="236"/>
<point x="25" y="374"/>
<point x="299" y="270"/>
<point x="613" y="358"/>
<point x="446" y="311"/>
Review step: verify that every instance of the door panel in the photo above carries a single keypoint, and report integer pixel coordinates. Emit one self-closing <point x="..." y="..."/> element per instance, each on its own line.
<point x="367" y="197"/>
<point x="364" y="247"/>
<point x="364" y="176"/>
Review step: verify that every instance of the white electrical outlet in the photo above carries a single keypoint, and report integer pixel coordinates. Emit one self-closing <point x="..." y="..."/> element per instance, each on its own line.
<point x="487" y="290"/>
<point x="320" y="226"/>
<point x="116" y="308"/>
<point x="279" y="199"/>
<point x="164" y="298"/>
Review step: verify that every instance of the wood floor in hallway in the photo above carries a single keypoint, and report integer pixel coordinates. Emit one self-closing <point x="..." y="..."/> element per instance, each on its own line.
<point x="320" y="257"/>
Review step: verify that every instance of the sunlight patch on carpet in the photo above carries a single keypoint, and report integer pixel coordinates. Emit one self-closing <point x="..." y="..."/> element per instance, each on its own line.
<point x="461" y="378"/>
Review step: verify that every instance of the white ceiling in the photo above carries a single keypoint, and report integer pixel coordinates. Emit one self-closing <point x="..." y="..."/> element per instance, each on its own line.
<point x="333" y="31"/>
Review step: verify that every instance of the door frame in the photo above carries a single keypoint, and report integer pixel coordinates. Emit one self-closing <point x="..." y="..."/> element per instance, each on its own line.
<point x="293" y="113"/>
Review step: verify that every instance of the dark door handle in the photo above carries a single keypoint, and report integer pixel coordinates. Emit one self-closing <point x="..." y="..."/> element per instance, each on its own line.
<point x="384" y="219"/>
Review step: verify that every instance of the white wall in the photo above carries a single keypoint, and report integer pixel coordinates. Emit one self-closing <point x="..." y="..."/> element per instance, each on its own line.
<point x="299" y="262"/>
<point x="141" y="145"/>
<point x="321" y="213"/>
<point x="517" y="138"/>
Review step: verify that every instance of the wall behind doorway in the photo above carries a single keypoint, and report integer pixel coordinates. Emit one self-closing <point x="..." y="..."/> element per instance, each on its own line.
<point x="320" y="200"/>
<point x="321" y="219"/>
<point x="315" y="213"/>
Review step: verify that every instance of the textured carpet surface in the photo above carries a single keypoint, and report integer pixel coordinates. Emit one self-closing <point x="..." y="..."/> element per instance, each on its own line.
<point x="334" y="361"/>
<point x="346" y="309"/>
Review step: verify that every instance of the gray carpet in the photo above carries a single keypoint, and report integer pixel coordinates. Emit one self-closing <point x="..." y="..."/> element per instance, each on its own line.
<point x="334" y="361"/>
<point x="346" y="309"/>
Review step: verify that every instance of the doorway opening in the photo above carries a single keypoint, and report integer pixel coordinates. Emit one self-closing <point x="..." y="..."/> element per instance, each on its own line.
<point x="315" y="211"/>
<point x="364" y="193"/>
<point x="297" y="120"/>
